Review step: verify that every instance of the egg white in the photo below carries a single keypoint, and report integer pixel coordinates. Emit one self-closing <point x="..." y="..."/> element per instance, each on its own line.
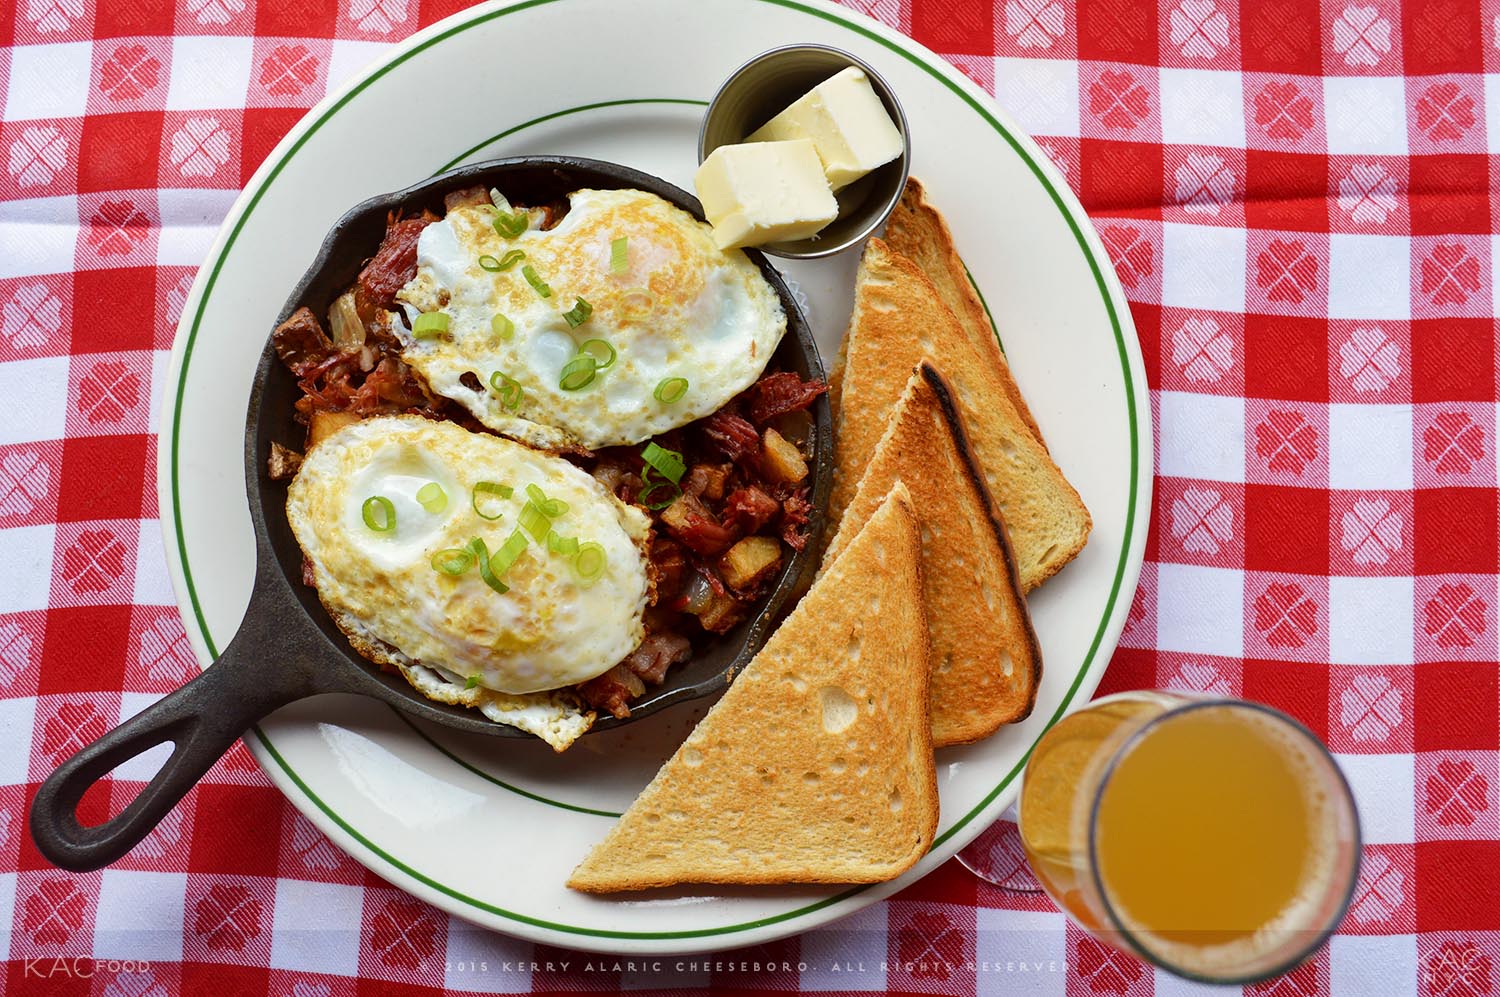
<point x="681" y="308"/>
<point x="550" y="630"/>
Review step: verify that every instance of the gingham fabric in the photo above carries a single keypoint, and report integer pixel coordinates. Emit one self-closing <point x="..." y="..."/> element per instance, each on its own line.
<point x="1297" y="200"/>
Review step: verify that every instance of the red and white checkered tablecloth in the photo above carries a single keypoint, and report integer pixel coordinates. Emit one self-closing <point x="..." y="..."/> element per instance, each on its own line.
<point x="1297" y="198"/>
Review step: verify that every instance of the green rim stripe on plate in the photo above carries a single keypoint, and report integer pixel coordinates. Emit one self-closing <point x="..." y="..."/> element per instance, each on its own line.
<point x="957" y="90"/>
<point x="560" y="114"/>
<point x="495" y="780"/>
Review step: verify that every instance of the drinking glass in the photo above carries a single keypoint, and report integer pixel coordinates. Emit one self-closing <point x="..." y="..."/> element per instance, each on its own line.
<point x="1213" y="837"/>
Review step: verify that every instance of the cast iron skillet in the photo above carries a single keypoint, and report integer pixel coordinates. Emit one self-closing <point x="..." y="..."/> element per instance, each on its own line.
<point x="287" y="648"/>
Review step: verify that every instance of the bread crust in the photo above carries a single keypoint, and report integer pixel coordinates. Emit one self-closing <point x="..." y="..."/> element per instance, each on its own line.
<point x="918" y="231"/>
<point x="899" y="321"/>
<point x="987" y="660"/>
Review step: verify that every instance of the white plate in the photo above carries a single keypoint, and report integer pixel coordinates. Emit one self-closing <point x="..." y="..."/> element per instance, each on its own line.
<point x="489" y="829"/>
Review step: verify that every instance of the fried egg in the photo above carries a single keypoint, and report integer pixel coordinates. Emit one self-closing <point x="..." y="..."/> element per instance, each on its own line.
<point x="382" y="506"/>
<point x="669" y="303"/>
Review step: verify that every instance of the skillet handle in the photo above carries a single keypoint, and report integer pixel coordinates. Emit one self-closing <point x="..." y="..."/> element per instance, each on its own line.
<point x="203" y="719"/>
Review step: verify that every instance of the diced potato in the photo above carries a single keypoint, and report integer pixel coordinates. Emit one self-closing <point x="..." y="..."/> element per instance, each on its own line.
<point x="325" y="424"/>
<point x="676" y="514"/>
<point x="783" y="461"/>
<point x="721" y="613"/>
<point x="748" y="562"/>
<point x="711" y="478"/>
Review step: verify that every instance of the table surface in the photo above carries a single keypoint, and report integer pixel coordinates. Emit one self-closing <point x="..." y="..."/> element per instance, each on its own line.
<point x="1296" y="199"/>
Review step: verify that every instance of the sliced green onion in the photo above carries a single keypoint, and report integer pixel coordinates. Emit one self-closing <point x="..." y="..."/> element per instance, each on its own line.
<point x="489" y="488"/>
<point x="537" y="284"/>
<point x="502" y="327"/>
<point x="637" y="302"/>
<point x="672" y="492"/>
<point x="668" y="463"/>
<point x="578" y="314"/>
<point x="590" y="561"/>
<point x="508" y="388"/>
<point x="535" y="522"/>
<point x="578" y="373"/>
<point x="482" y="556"/>
<point x="549" y="507"/>
<point x="473" y="681"/>
<point x="429" y="325"/>
<point x="432" y="497"/>
<point x="454" y="561"/>
<point x="509" y="225"/>
<point x="513" y="548"/>
<point x="619" y="255"/>
<point x="489" y="263"/>
<point x="559" y="544"/>
<point x="511" y="258"/>
<point x="387" y="521"/>
<point x="670" y="389"/>
<point x="607" y="361"/>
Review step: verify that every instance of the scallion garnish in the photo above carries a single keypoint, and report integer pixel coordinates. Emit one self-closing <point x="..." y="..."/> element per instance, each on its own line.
<point x="533" y="521"/>
<point x="549" y="507"/>
<point x="509" y="225"/>
<point x="537" y="284"/>
<point x="482" y="557"/>
<point x="604" y="360"/>
<point x="473" y="681"/>
<point x="670" y="389"/>
<point x="489" y="488"/>
<point x="513" y="548"/>
<point x="432" y="497"/>
<point x="578" y="373"/>
<point x="578" y="314"/>
<point x="502" y="327"/>
<point x="508" y="388"/>
<point x="558" y="544"/>
<point x="590" y="561"/>
<point x="452" y="561"/>
<point x="619" y="255"/>
<point x="668" y="463"/>
<point x="672" y="492"/>
<point x="489" y="263"/>
<point x="386" y="522"/>
<point x="429" y="324"/>
<point x="511" y="258"/>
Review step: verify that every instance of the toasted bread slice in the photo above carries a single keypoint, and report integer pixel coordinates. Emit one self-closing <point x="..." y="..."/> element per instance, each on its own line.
<point x="816" y="766"/>
<point x="899" y="321"/>
<point x="918" y="231"/>
<point x="986" y="662"/>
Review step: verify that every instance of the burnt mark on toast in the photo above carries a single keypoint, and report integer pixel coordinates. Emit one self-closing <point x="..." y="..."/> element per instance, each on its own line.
<point x="943" y="392"/>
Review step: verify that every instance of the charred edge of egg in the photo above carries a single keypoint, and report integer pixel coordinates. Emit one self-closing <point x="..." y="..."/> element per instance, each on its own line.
<point x="558" y="717"/>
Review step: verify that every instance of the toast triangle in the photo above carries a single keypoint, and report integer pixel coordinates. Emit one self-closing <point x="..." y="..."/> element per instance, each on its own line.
<point x="899" y="321"/>
<point x="918" y="231"/>
<point x="986" y="662"/>
<point x="816" y="765"/>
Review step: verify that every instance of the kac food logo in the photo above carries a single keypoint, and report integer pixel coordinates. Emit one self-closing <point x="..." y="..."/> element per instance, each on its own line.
<point x="81" y="969"/>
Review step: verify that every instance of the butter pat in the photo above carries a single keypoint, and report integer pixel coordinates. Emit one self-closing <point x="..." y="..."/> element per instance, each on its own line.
<point x="846" y="123"/>
<point x="764" y="192"/>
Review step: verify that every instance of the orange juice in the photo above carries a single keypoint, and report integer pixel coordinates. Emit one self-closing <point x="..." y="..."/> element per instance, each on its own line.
<point x="1214" y="837"/>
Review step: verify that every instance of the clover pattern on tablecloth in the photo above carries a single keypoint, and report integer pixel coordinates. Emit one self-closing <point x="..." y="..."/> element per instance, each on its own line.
<point x="1285" y="615"/>
<point x="1198" y="28"/>
<point x="1454" y="616"/>
<point x="129" y="73"/>
<point x="404" y="932"/>
<point x="1456" y="969"/>
<point x="288" y="70"/>
<point x="1371" y="531"/>
<point x="15" y="652"/>
<point x="227" y="917"/>
<point x="1131" y="253"/>
<point x="1202" y="520"/>
<point x="1367" y="193"/>
<point x="1283" y="111"/>
<point x="1035" y="24"/>
<point x="1370" y="707"/>
<point x="1454" y="794"/>
<point x="1369" y="360"/>
<point x="1380" y="890"/>
<point x="1286" y="441"/>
